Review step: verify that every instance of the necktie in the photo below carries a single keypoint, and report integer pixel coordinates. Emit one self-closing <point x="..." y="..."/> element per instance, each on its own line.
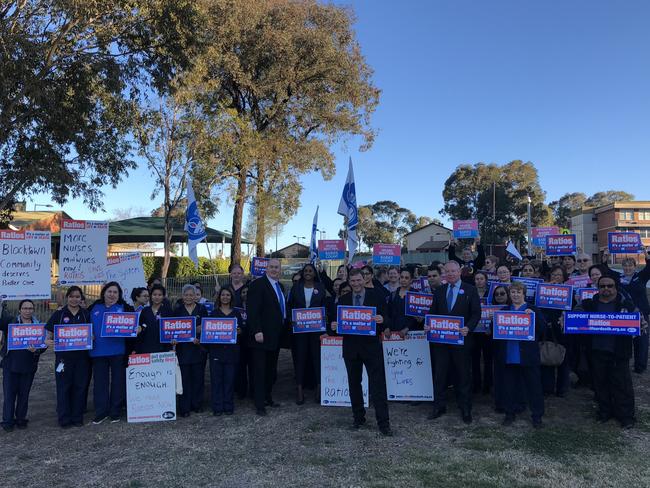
<point x="450" y="297"/>
<point x="280" y="299"/>
<point x="357" y="300"/>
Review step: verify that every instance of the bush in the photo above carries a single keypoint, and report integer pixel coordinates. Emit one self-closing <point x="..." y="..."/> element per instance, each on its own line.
<point x="183" y="267"/>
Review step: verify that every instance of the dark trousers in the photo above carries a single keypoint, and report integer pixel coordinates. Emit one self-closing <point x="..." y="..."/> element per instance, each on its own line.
<point x="265" y="364"/>
<point x="482" y="346"/>
<point x="641" y="352"/>
<point x="243" y="374"/>
<point x="193" y="376"/>
<point x="459" y="359"/>
<point x="222" y="385"/>
<point x="15" y="388"/>
<point x="109" y="390"/>
<point x="307" y="351"/>
<point x="71" y="389"/>
<point x="555" y="380"/>
<point x="613" y="385"/>
<point x="370" y="356"/>
<point x="516" y="378"/>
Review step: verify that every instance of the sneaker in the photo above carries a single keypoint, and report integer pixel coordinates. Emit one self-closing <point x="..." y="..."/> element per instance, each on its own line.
<point x="21" y="426"/>
<point x="7" y="428"/>
<point x="99" y="420"/>
<point x="386" y="431"/>
<point x="115" y="420"/>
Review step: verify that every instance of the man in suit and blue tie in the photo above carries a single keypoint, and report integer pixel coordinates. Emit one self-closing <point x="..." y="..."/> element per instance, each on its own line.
<point x="457" y="299"/>
<point x="267" y="313"/>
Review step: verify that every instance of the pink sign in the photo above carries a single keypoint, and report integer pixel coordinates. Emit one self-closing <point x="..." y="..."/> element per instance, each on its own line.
<point x="465" y="229"/>
<point x="390" y="254"/>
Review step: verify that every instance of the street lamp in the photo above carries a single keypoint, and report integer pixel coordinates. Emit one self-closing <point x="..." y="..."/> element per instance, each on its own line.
<point x="46" y="205"/>
<point x="299" y="237"/>
<point x="321" y="234"/>
<point x="530" y="232"/>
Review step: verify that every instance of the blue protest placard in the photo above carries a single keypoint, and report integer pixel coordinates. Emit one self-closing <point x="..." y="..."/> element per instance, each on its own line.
<point x="77" y="337"/>
<point x="539" y="235"/>
<point x="24" y="336"/>
<point x="624" y="243"/>
<point x="444" y="329"/>
<point x="513" y="326"/>
<point x="559" y="297"/>
<point x="417" y="304"/>
<point x="586" y="293"/>
<point x="356" y="320"/>
<point x="561" y="245"/>
<point x="258" y="266"/>
<point x="120" y="324"/>
<point x="179" y="329"/>
<point x="308" y="320"/>
<point x="531" y="286"/>
<point x="628" y="323"/>
<point x="485" y="324"/>
<point x="220" y="330"/>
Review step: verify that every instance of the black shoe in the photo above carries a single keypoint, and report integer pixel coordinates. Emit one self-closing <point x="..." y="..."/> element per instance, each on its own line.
<point x="228" y="412"/>
<point x="272" y="404"/>
<point x="99" y="420"/>
<point x="639" y="370"/>
<point x="198" y="410"/>
<point x="261" y="412"/>
<point x="185" y="414"/>
<point x="358" y="423"/>
<point x="77" y="424"/>
<point x="217" y="414"/>
<point x="65" y="426"/>
<point x="385" y="431"/>
<point x="602" y="418"/>
<point x="467" y="417"/>
<point x="537" y="424"/>
<point x="627" y="424"/>
<point x="508" y="420"/>
<point x="414" y="404"/>
<point x="499" y="410"/>
<point x="115" y="420"/>
<point x="437" y="413"/>
<point x="7" y="428"/>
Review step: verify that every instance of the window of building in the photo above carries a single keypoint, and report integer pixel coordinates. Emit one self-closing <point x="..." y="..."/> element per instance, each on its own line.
<point x="645" y="233"/>
<point x="644" y="214"/>
<point x="626" y="215"/>
<point x="594" y="238"/>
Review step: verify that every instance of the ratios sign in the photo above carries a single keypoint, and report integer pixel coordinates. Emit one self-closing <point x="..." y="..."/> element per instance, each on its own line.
<point x="76" y="337"/>
<point x="444" y="329"/>
<point x="258" y="267"/>
<point x="417" y="304"/>
<point x="308" y="320"/>
<point x="179" y="329"/>
<point x="602" y="323"/>
<point x="120" y="324"/>
<point x="219" y="331"/>
<point x="554" y="296"/>
<point x="24" y="336"/>
<point x="356" y="320"/>
<point x="514" y="326"/>
<point x="624" y="243"/>
<point x="561" y="245"/>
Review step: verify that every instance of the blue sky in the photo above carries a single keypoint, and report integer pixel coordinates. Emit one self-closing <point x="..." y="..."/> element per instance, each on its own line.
<point x="562" y="83"/>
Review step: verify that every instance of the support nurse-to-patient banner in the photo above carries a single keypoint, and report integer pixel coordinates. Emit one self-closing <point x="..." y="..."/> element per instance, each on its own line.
<point x="82" y="257"/>
<point x="128" y="271"/>
<point x="25" y="258"/>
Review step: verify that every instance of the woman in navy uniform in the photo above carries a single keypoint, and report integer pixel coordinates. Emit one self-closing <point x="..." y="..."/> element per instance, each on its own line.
<point x="191" y="356"/>
<point x="71" y="368"/>
<point x="224" y="358"/>
<point x="107" y="355"/>
<point x="307" y="293"/>
<point x="399" y="321"/>
<point x="19" y="368"/>
<point x="148" y="340"/>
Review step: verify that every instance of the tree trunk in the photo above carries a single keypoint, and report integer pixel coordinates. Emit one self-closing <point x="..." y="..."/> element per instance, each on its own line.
<point x="237" y="216"/>
<point x="168" y="227"/>
<point x="260" y="214"/>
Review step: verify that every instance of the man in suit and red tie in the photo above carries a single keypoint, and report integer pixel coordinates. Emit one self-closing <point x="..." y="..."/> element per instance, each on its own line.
<point x="267" y="312"/>
<point x="360" y="351"/>
<point x="458" y="299"/>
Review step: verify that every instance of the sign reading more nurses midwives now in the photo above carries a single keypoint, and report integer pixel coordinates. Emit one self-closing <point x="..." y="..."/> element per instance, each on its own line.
<point x="624" y="243"/>
<point x="331" y="249"/>
<point x="334" y="390"/>
<point x="25" y="258"/>
<point x="151" y="387"/>
<point x="82" y="256"/>
<point x="388" y="254"/>
<point x="465" y="229"/>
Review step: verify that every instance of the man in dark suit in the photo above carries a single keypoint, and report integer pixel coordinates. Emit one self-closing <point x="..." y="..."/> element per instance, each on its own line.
<point x="457" y="299"/>
<point x="360" y="351"/>
<point x="267" y="312"/>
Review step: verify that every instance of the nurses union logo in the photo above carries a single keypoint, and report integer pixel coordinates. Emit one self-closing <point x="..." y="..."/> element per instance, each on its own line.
<point x="194" y="225"/>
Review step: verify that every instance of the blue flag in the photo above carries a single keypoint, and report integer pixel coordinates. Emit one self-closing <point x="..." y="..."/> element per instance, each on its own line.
<point x="348" y="208"/>
<point x="313" y="245"/>
<point x="193" y="223"/>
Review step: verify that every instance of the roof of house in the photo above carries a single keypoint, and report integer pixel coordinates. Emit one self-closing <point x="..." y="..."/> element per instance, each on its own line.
<point x="426" y="226"/>
<point x="293" y="245"/>
<point x="433" y="246"/>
